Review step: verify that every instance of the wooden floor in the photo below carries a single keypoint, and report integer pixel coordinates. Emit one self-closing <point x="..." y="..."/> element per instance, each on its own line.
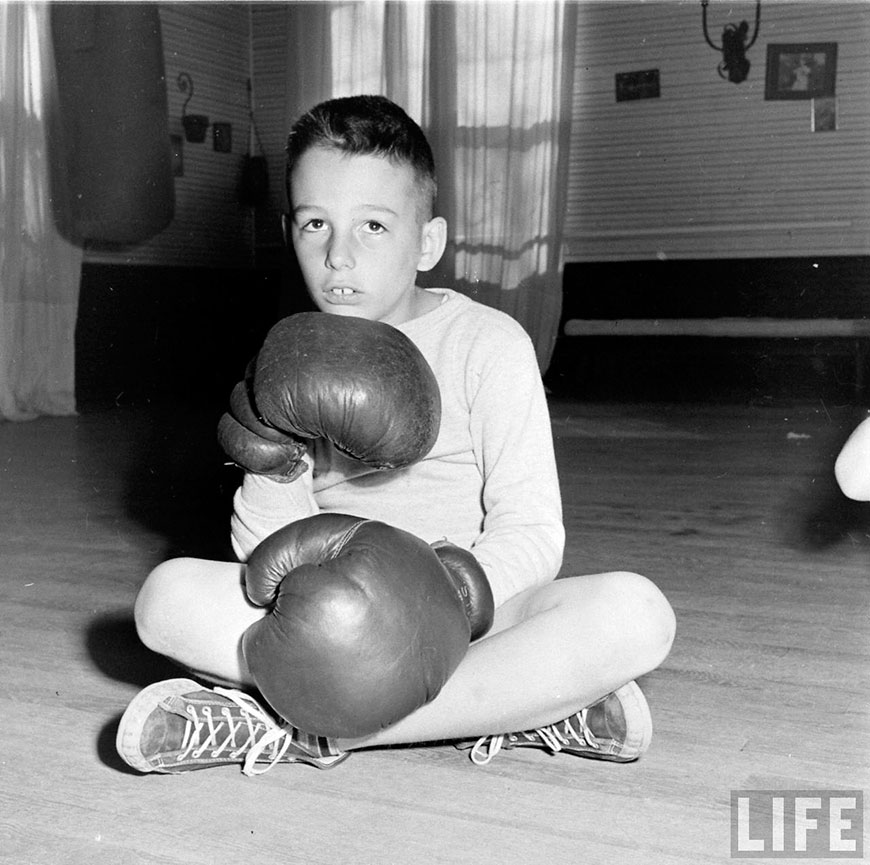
<point x="732" y="511"/>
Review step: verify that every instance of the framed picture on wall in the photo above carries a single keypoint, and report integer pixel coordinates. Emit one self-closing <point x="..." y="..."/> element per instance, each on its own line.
<point x="801" y="70"/>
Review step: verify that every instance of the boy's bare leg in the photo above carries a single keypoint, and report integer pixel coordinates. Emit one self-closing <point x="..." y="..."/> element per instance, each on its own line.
<point x="194" y="611"/>
<point x="553" y="649"/>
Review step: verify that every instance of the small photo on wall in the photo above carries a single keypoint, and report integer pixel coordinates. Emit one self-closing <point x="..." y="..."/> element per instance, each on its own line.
<point x="825" y="114"/>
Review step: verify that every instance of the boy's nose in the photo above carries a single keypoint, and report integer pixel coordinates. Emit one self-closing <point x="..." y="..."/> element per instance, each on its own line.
<point x="339" y="253"/>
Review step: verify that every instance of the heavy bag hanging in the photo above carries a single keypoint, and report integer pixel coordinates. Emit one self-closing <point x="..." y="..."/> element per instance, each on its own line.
<point x="114" y="123"/>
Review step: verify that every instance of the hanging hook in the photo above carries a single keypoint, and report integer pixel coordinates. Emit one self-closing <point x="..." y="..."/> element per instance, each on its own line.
<point x="734" y="45"/>
<point x="704" y="5"/>
<point x="757" y="24"/>
<point x="195" y="125"/>
<point x="185" y="84"/>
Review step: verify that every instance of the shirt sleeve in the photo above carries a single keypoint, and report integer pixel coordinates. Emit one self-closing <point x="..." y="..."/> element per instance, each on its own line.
<point x="262" y="505"/>
<point x="523" y="536"/>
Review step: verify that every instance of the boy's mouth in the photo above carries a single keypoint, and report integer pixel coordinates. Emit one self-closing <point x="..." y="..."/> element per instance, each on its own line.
<point x="340" y="294"/>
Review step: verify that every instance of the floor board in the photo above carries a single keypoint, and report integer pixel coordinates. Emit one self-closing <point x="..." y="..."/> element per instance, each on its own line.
<point x="732" y="510"/>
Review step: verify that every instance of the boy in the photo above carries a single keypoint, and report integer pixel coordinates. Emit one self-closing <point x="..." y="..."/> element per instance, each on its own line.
<point x="556" y="669"/>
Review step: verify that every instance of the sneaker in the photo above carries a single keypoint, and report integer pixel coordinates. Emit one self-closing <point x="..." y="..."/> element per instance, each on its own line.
<point x="617" y="728"/>
<point x="177" y="726"/>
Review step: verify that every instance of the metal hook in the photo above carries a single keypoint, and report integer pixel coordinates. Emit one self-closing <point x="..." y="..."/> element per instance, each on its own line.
<point x="734" y="45"/>
<point x="713" y="45"/>
<point x="185" y="84"/>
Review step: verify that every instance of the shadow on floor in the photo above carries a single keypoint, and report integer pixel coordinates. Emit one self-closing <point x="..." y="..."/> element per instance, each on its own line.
<point x="116" y="650"/>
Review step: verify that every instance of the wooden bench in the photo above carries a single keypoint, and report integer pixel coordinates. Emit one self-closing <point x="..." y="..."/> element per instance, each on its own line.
<point x="857" y="330"/>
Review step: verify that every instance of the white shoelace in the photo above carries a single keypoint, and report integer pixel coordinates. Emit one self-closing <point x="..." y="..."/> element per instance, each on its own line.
<point x="551" y="737"/>
<point x="262" y="733"/>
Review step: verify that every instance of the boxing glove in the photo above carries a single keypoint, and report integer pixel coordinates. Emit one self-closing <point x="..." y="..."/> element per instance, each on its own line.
<point x="470" y="583"/>
<point x="253" y="445"/>
<point x="361" y="384"/>
<point x="366" y="623"/>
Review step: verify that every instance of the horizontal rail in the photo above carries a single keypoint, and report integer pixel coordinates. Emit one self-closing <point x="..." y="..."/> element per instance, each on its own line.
<point x="720" y="327"/>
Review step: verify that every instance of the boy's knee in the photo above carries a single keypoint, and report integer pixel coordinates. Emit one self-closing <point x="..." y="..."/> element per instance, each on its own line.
<point x="647" y="614"/>
<point x="159" y="603"/>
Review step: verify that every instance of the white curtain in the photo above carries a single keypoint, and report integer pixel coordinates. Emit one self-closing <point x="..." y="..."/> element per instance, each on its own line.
<point x="39" y="271"/>
<point x="490" y="82"/>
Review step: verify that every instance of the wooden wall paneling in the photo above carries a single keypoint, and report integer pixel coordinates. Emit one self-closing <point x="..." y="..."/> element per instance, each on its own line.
<point x="710" y="169"/>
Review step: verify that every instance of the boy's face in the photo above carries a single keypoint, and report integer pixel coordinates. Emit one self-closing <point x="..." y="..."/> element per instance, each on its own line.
<point x="356" y="227"/>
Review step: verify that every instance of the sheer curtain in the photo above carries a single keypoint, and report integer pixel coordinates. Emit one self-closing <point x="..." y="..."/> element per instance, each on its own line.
<point x="39" y="271"/>
<point x="490" y="82"/>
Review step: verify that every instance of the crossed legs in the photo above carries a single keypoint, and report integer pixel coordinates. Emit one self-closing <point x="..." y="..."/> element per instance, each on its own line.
<point x="553" y="649"/>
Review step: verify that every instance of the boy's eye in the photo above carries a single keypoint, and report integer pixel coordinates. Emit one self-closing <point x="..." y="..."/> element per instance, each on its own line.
<point x="374" y="227"/>
<point x="313" y="225"/>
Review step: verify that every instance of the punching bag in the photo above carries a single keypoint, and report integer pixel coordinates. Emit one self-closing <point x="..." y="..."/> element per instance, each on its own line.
<point x="113" y="183"/>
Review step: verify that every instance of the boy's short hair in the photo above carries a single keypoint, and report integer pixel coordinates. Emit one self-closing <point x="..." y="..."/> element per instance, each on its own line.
<point x="366" y="125"/>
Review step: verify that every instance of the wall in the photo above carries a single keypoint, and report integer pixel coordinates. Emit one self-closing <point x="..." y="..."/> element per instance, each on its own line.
<point x="669" y="182"/>
<point x="272" y="40"/>
<point x="180" y="315"/>
<point x="711" y="169"/>
<point x="210" y="229"/>
<point x="179" y="333"/>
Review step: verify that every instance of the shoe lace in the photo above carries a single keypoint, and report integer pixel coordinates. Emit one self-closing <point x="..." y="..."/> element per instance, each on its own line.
<point x="245" y="718"/>
<point x="555" y="737"/>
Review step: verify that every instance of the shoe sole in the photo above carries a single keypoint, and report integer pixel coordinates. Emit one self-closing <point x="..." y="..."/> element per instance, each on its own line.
<point x="135" y="715"/>
<point x="639" y="718"/>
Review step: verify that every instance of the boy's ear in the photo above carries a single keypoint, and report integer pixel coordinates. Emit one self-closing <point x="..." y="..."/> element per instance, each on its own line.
<point x="434" y="240"/>
<point x="285" y="228"/>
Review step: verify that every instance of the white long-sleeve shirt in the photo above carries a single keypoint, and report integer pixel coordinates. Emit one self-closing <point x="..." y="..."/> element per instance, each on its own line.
<point x="489" y="484"/>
